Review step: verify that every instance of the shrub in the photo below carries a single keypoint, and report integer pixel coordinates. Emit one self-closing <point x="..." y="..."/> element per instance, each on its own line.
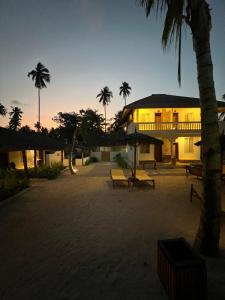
<point x="46" y="171"/>
<point x="90" y="160"/>
<point x="12" y="182"/>
<point x="120" y="160"/>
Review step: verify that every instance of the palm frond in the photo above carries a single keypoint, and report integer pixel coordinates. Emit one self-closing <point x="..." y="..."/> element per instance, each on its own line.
<point x="3" y="110"/>
<point x="40" y="75"/>
<point x="172" y="30"/>
<point x="149" y="5"/>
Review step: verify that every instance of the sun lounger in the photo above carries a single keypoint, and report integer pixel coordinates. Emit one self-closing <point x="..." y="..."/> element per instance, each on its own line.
<point x="118" y="175"/>
<point x="142" y="176"/>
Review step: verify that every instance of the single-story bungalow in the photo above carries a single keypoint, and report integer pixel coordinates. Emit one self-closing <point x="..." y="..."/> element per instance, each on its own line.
<point x="28" y="150"/>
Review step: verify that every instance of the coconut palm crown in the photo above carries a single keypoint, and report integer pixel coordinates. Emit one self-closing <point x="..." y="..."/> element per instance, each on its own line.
<point x="105" y="98"/>
<point x="15" y="118"/>
<point x="40" y="75"/>
<point x="125" y="90"/>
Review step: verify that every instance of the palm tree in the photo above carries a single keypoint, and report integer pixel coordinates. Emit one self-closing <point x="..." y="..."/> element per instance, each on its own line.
<point x="196" y="14"/>
<point x="125" y="90"/>
<point x="105" y="97"/>
<point x="2" y="110"/>
<point x="40" y="75"/>
<point x="15" y="118"/>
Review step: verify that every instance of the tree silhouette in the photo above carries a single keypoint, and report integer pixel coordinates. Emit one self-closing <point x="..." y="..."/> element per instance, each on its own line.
<point x="196" y="15"/>
<point x="222" y="114"/>
<point x="26" y="129"/>
<point x="2" y="110"/>
<point x="105" y="97"/>
<point x="15" y="118"/>
<point x="40" y="75"/>
<point x="125" y="91"/>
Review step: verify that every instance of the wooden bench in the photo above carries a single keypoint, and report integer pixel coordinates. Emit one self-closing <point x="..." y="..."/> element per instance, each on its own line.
<point x="197" y="171"/>
<point x="194" y="170"/>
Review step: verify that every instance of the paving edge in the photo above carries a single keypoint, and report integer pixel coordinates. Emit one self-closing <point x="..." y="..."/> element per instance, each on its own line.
<point x="8" y="200"/>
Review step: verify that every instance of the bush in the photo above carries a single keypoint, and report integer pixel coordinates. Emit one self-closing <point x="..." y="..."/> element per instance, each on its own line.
<point x="46" y="171"/>
<point x="12" y="181"/>
<point x="90" y="160"/>
<point x="120" y="160"/>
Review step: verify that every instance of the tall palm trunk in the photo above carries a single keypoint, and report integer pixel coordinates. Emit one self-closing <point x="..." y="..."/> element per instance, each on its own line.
<point x="39" y="110"/>
<point x="207" y="238"/>
<point x="105" y="117"/>
<point x="35" y="159"/>
<point x="24" y="156"/>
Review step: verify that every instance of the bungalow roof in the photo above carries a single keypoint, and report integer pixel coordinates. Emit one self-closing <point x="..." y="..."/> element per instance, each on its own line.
<point x="165" y="101"/>
<point x="18" y="141"/>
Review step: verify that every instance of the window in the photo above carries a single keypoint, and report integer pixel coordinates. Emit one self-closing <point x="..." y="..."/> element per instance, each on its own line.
<point x="189" y="117"/>
<point x="188" y="145"/>
<point x="144" y="118"/>
<point x="144" y="149"/>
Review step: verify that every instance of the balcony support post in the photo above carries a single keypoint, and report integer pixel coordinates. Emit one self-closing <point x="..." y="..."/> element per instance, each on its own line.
<point x="172" y="140"/>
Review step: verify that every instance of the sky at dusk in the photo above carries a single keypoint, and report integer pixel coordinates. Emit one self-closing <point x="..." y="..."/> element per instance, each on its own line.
<point x="88" y="44"/>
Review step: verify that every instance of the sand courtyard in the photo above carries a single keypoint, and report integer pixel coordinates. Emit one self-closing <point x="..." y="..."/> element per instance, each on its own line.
<point x="78" y="238"/>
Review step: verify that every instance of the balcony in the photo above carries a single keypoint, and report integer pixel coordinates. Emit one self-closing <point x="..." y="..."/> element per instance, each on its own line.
<point x="169" y="126"/>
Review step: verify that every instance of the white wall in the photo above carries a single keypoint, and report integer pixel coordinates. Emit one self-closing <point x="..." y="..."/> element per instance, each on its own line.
<point x="147" y="156"/>
<point x="79" y="161"/>
<point x="195" y="155"/>
<point x="53" y="158"/>
<point x="148" y="114"/>
<point x="96" y="154"/>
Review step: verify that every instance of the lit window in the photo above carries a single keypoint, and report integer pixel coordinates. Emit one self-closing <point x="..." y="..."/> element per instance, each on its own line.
<point x="188" y="145"/>
<point x="144" y="117"/>
<point x="144" y="149"/>
<point x="189" y="117"/>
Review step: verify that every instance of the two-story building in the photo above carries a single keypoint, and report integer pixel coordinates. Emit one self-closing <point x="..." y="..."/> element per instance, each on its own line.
<point x="176" y="120"/>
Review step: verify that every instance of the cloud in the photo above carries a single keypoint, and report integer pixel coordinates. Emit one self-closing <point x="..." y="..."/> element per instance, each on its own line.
<point x="18" y="103"/>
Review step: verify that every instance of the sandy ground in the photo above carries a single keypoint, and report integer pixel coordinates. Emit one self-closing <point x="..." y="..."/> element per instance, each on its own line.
<point x="78" y="238"/>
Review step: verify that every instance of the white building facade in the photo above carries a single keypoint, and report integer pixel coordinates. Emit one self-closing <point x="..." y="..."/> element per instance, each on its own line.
<point x="175" y="120"/>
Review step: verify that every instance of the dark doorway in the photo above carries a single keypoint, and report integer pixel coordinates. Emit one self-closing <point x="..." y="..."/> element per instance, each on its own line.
<point x="176" y="150"/>
<point x="158" y="153"/>
<point x="105" y="156"/>
<point x="158" y="117"/>
<point x="175" y="117"/>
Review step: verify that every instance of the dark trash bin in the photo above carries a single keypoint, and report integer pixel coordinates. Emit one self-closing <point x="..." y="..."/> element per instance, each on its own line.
<point x="181" y="271"/>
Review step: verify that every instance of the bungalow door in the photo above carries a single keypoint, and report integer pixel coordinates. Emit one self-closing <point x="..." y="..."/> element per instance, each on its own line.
<point x="105" y="156"/>
<point x="176" y="150"/>
<point x="158" y="152"/>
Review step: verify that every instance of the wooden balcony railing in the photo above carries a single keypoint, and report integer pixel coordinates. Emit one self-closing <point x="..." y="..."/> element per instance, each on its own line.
<point x="164" y="126"/>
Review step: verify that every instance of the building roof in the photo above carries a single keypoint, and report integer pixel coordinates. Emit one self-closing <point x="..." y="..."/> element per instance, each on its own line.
<point x="18" y="141"/>
<point x="165" y="101"/>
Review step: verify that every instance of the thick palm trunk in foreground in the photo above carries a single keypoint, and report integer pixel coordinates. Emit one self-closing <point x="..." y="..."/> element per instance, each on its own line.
<point x="207" y="239"/>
